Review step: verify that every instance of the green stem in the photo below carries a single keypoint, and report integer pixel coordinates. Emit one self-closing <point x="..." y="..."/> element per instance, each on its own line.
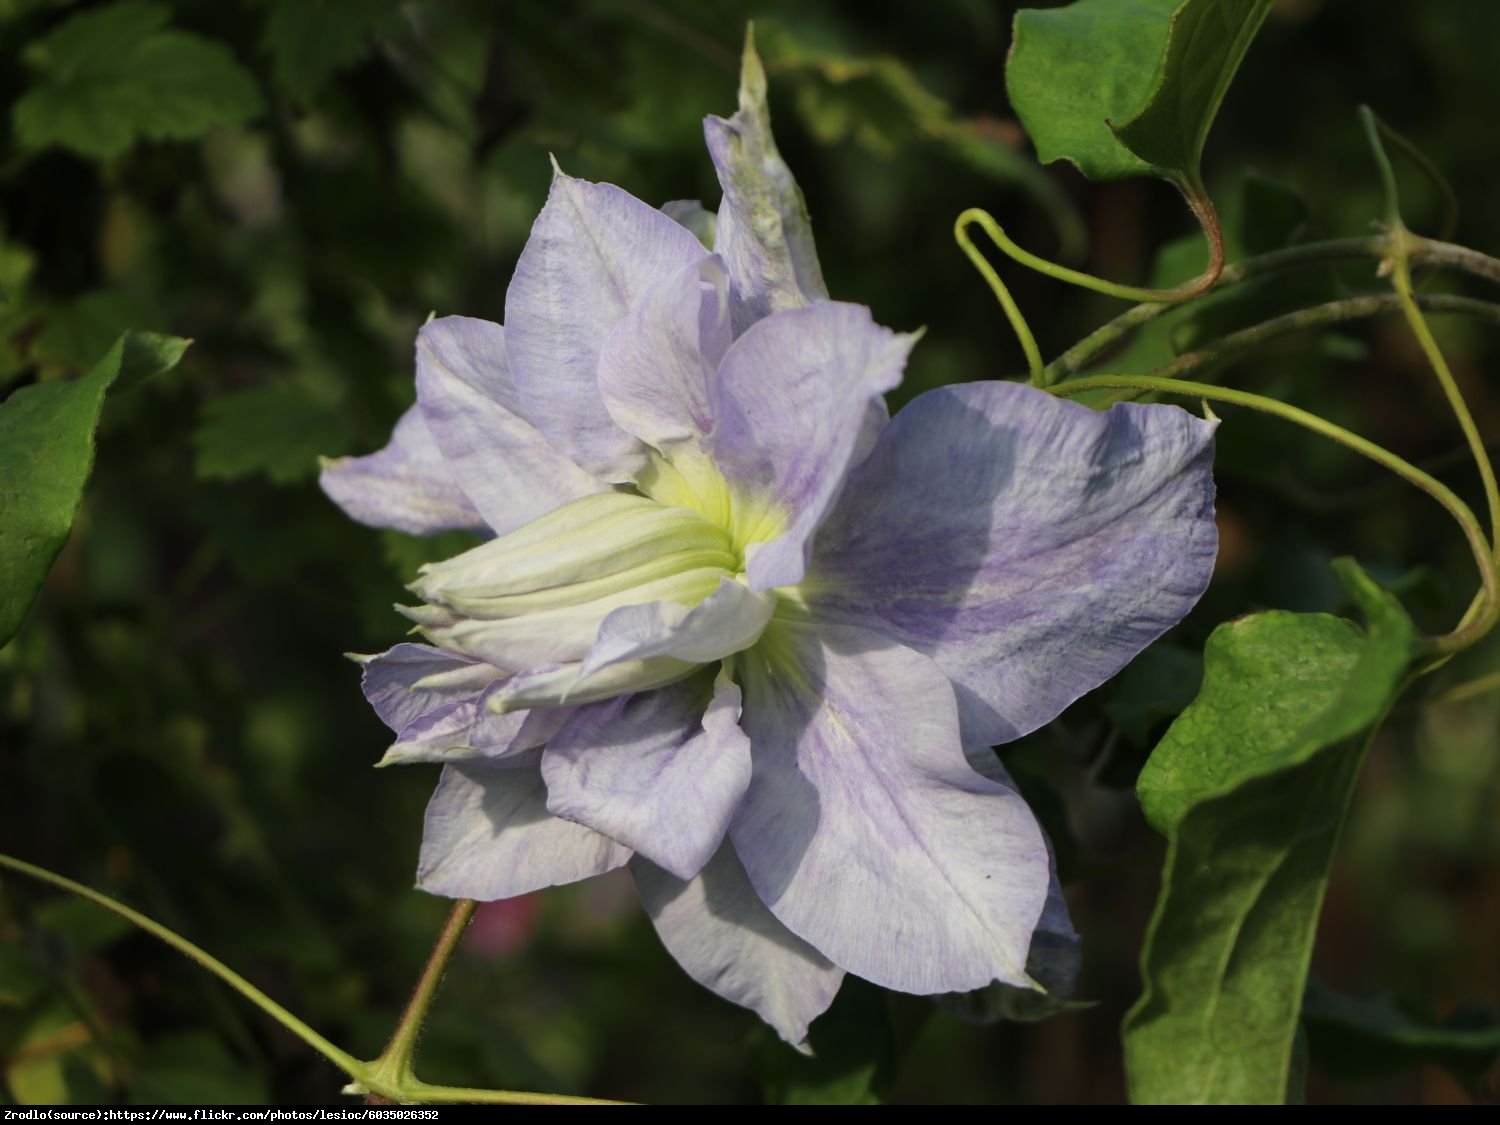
<point x="388" y="1076"/>
<point x="1423" y="251"/>
<point x="341" y="1059"/>
<point x="1467" y="633"/>
<point x="1468" y="690"/>
<point x="998" y="288"/>
<point x="1352" y="308"/>
<point x="395" y="1063"/>
<point x="1446" y="194"/>
<point x="1203" y="211"/>
<point x="1401" y="280"/>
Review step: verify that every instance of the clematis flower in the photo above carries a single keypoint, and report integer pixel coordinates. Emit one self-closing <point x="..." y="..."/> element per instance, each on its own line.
<point x="737" y="629"/>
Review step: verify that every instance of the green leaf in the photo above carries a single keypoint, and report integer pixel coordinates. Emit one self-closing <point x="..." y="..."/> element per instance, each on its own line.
<point x="1160" y="67"/>
<point x="277" y="431"/>
<point x="110" y="76"/>
<point x="46" y="452"/>
<point x="309" y="40"/>
<point x="1207" y="41"/>
<point x="1250" y="786"/>
<point x="1351" y="1037"/>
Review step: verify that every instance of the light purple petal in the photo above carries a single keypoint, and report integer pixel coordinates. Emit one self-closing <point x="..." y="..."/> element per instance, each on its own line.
<point x="1030" y="546"/>
<point x="657" y="369"/>
<point x="797" y="395"/>
<point x="867" y="832"/>
<point x="593" y="254"/>
<point x="727" y="621"/>
<point x="406" y="486"/>
<point x="724" y="937"/>
<point x="488" y="835"/>
<point x="763" y="230"/>
<point x="502" y="462"/>
<point x="389" y="681"/>
<point x="468" y="729"/>
<point x="655" y="771"/>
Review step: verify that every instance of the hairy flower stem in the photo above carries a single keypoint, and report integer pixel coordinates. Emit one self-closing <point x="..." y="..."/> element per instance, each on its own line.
<point x="1422" y="251"/>
<point x="394" y="1065"/>
<point x="1480" y="620"/>
<point x="366" y="1077"/>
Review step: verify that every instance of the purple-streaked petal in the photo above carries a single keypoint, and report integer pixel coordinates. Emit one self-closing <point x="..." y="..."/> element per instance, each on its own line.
<point x="763" y="230"/>
<point x="797" y="394"/>
<point x="657" y="369"/>
<point x="727" y="621"/>
<point x="389" y="681"/>
<point x="1030" y="546"/>
<point x="509" y="471"/>
<point x="593" y="254"/>
<point x="488" y="835"/>
<point x="406" y="486"/>
<point x="692" y="214"/>
<point x="468" y="729"/>
<point x="867" y="832"/>
<point x="655" y="771"/>
<point x="725" y="939"/>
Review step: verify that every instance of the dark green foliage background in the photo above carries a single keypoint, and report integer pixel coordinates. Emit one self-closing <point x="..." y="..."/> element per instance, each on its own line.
<point x="178" y="727"/>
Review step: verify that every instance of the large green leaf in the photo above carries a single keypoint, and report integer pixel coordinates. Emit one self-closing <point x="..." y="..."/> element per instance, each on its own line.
<point x="112" y="75"/>
<point x="46" y="452"/>
<point x="1128" y="87"/>
<point x="1250" y="786"/>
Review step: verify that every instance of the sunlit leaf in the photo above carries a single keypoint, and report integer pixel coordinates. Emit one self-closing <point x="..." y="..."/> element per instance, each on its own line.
<point x="1250" y="786"/>
<point x="1128" y="89"/>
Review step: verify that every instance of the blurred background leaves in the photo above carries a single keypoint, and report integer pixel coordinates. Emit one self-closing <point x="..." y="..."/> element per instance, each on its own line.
<point x="296" y="184"/>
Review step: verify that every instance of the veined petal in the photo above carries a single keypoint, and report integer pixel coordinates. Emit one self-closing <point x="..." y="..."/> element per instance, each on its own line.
<point x="469" y="729"/>
<point x="763" y="230"/>
<point x="656" y="771"/>
<point x="407" y="486"/>
<point x="561" y="684"/>
<point x="866" y="831"/>
<point x="593" y="254"/>
<point x="509" y="471"/>
<point x="657" y="368"/>
<point x="724" y="937"/>
<point x="797" y="393"/>
<point x="1030" y="546"/>
<point x="567" y="633"/>
<point x="726" y="622"/>
<point x="391" y="680"/>
<point x="488" y="835"/>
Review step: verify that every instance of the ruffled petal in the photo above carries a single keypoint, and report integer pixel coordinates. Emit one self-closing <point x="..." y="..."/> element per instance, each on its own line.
<point x="656" y="771"/>
<point x="390" y="680"/>
<point x="1030" y="546"/>
<point x="657" y="369"/>
<point x="725" y="939"/>
<point x="594" y="253"/>
<point x="488" y="835"/>
<point x="508" y="470"/>
<point x="407" y="486"/>
<point x="866" y="831"/>
<point x="763" y="230"/>
<point x="798" y="392"/>
<point x="468" y="729"/>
